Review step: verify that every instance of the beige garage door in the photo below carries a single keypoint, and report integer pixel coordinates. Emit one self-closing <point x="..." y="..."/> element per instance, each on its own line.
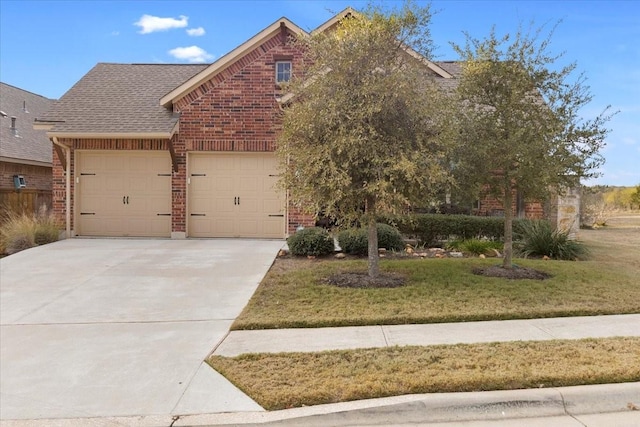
<point x="123" y="193"/>
<point x="233" y="195"/>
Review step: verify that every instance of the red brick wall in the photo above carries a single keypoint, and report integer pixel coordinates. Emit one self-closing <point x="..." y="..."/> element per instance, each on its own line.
<point x="490" y="206"/>
<point x="37" y="177"/>
<point x="236" y="111"/>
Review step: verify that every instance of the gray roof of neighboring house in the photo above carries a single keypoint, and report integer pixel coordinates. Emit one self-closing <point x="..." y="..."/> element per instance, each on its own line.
<point x="455" y="69"/>
<point x="120" y="98"/>
<point x="25" y="144"/>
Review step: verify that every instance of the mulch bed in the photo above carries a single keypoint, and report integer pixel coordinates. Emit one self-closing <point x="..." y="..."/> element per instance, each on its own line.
<point x="513" y="273"/>
<point x="362" y="280"/>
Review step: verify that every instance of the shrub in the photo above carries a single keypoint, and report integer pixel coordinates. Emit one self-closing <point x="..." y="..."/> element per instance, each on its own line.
<point x="356" y="241"/>
<point x="312" y="241"/>
<point x="20" y="231"/>
<point x="429" y="228"/>
<point x="537" y="238"/>
<point x="475" y="246"/>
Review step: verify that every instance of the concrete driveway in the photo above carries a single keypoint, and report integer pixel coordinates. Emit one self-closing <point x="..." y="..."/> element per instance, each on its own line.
<point x="120" y="327"/>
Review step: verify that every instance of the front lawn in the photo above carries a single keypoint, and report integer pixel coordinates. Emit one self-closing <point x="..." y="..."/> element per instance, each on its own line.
<point x="293" y="294"/>
<point x="285" y="380"/>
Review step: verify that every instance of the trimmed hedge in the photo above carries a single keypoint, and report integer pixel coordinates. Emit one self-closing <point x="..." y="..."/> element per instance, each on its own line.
<point x="429" y="228"/>
<point x="313" y="241"/>
<point x="355" y="241"/>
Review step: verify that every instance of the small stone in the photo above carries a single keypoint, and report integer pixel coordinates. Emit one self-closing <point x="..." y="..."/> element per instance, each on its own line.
<point x="546" y="258"/>
<point x="311" y="257"/>
<point x="456" y="254"/>
<point x="382" y="250"/>
<point x="439" y="255"/>
<point x="422" y="254"/>
<point x="482" y="256"/>
<point x="497" y="253"/>
<point x="409" y="250"/>
<point x="283" y="252"/>
<point x="416" y="254"/>
<point x="382" y="256"/>
<point x="340" y="255"/>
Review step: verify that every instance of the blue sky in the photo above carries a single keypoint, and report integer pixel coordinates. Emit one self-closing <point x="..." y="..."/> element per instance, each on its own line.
<point x="46" y="46"/>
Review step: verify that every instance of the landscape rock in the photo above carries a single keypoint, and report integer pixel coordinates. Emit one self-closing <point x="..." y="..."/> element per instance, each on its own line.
<point x="482" y="256"/>
<point x="340" y="255"/>
<point x="497" y="253"/>
<point x="283" y="252"/>
<point x="456" y="254"/>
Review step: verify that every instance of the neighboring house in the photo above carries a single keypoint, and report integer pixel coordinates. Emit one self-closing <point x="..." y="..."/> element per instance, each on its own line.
<point x="179" y="150"/>
<point x="25" y="153"/>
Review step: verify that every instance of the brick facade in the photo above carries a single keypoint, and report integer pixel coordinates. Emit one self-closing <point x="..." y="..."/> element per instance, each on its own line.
<point x="490" y="206"/>
<point x="37" y="177"/>
<point x="235" y="111"/>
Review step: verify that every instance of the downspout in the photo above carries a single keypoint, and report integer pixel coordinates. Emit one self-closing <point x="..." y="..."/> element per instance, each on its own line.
<point x="67" y="184"/>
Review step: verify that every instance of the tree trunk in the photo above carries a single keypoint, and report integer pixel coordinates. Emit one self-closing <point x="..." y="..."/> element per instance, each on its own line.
<point x="508" y="228"/>
<point x="374" y="268"/>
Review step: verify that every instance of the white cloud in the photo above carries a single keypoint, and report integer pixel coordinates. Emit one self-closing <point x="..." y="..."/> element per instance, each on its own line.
<point x="115" y="33"/>
<point x="196" y="32"/>
<point x="191" y="54"/>
<point x="149" y="24"/>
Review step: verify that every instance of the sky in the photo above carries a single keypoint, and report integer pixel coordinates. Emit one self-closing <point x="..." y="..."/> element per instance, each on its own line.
<point x="47" y="46"/>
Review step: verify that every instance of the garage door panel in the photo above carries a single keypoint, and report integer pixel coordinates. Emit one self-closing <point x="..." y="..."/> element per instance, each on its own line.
<point x="243" y="195"/>
<point x="273" y="206"/>
<point x="125" y="191"/>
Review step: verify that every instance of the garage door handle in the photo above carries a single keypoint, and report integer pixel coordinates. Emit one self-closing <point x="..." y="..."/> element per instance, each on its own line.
<point x="163" y="214"/>
<point x="127" y="199"/>
<point x="123" y="197"/>
<point x="279" y="215"/>
<point x="87" y="213"/>
<point x="238" y="200"/>
<point x="198" y="214"/>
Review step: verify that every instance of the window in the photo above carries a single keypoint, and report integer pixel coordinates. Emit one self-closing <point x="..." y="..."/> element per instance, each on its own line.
<point x="283" y="71"/>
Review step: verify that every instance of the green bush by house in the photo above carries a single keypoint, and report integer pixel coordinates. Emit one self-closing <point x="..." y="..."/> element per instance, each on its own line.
<point x="356" y="242"/>
<point x="313" y="241"/>
<point x="430" y="228"/>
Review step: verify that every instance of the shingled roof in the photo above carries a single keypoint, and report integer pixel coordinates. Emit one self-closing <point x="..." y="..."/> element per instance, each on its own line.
<point x="119" y="99"/>
<point x="26" y="144"/>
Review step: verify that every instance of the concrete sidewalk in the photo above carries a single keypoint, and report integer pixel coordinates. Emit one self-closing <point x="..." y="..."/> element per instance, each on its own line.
<point x="321" y="339"/>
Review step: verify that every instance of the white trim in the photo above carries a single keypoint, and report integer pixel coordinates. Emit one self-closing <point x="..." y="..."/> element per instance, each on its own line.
<point x="113" y="135"/>
<point x="25" y="162"/>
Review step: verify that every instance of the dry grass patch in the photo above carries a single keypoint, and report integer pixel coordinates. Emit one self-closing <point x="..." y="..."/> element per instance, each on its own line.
<point x="295" y="293"/>
<point x="278" y="381"/>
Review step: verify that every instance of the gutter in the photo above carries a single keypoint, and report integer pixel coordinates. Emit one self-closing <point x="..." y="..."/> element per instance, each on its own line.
<point x="67" y="168"/>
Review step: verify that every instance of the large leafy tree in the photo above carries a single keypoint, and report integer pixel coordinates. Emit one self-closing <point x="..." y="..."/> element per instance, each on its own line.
<point x="365" y="132"/>
<point x="520" y="128"/>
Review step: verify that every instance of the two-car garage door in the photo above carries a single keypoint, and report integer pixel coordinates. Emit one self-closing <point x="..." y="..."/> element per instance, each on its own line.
<point x="234" y="195"/>
<point x="128" y="193"/>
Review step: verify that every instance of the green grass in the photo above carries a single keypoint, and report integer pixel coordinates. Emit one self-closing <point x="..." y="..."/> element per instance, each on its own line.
<point x="285" y="380"/>
<point x="292" y="294"/>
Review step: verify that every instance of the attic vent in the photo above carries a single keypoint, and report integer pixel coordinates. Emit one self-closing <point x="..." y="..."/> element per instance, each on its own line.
<point x="24" y="107"/>
<point x="14" y="130"/>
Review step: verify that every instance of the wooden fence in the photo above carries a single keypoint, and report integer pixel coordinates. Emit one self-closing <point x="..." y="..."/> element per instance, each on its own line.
<point x="24" y="201"/>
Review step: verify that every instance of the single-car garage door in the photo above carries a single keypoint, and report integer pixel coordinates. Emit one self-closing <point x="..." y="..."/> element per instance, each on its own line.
<point x="234" y="195"/>
<point x="123" y="193"/>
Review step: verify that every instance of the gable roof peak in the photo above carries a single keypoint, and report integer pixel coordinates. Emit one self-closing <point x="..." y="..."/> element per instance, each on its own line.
<point x="227" y="60"/>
